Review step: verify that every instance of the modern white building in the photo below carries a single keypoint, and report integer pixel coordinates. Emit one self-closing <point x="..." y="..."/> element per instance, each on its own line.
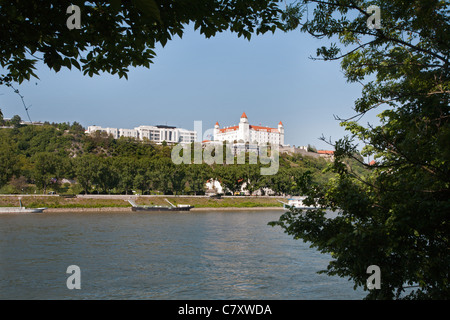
<point x="245" y="132"/>
<point x="129" y="133"/>
<point x="169" y="134"/>
<point x="158" y="133"/>
<point x="112" y="131"/>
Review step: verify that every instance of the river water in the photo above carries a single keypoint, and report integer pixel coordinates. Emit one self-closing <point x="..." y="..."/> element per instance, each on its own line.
<point x="195" y="255"/>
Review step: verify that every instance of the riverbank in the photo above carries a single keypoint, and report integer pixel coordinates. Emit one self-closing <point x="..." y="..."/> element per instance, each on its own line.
<point x="119" y="203"/>
<point x="113" y="209"/>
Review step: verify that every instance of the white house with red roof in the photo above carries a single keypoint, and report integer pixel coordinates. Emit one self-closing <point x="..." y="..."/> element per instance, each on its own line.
<point x="245" y="132"/>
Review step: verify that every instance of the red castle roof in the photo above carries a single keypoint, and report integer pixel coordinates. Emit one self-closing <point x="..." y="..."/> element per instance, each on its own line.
<point x="256" y="128"/>
<point x="234" y="128"/>
<point x="325" y="152"/>
<point x="266" y="129"/>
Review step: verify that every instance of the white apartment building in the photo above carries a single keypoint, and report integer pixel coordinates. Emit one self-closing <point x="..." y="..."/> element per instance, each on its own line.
<point x="130" y="133"/>
<point x="244" y="132"/>
<point x="169" y="134"/>
<point x="157" y="133"/>
<point x="112" y="131"/>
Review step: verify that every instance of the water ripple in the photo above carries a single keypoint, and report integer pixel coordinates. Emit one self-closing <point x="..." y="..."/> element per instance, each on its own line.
<point x="207" y="255"/>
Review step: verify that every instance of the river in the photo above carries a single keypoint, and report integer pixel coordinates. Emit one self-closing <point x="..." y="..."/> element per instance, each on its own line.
<point x="195" y="255"/>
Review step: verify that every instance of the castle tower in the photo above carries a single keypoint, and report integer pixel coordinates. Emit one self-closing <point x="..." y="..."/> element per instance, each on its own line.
<point x="244" y="129"/>
<point x="281" y="130"/>
<point x="216" y="131"/>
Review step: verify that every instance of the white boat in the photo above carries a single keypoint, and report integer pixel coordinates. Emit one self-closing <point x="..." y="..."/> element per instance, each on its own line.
<point x="20" y="209"/>
<point x="297" y="203"/>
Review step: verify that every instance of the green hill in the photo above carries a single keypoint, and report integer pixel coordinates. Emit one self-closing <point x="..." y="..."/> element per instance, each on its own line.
<point x="60" y="157"/>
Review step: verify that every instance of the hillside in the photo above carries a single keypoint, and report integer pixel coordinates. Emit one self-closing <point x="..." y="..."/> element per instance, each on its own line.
<point x="61" y="158"/>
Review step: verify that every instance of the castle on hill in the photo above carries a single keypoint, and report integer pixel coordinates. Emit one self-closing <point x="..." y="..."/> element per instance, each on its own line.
<point x="245" y="132"/>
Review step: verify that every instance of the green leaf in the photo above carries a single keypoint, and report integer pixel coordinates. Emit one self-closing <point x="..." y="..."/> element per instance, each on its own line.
<point x="149" y="8"/>
<point x="75" y="63"/>
<point x="115" y="5"/>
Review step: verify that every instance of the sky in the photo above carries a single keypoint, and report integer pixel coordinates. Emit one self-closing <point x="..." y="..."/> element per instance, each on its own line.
<point x="271" y="78"/>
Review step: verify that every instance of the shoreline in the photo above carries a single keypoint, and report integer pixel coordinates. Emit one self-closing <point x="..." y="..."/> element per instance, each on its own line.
<point x="128" y="209"/>
<point x="118" y="203"/>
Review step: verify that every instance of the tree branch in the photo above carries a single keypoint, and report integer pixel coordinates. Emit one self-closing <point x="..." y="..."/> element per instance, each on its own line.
<point x="22" y="98"/>
<point x="379" y="33"/>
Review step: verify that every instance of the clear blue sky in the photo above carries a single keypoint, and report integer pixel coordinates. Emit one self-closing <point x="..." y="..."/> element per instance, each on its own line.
<point x="270" y="78"/>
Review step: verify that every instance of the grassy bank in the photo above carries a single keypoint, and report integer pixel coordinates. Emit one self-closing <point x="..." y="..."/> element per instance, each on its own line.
<point x="60" y="202"/>
<point x="111" y="202"/>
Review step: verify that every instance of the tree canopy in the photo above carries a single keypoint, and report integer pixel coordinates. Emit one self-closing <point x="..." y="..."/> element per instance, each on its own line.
<point x="115" y="35"/>
<point x="398" y="216"/>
